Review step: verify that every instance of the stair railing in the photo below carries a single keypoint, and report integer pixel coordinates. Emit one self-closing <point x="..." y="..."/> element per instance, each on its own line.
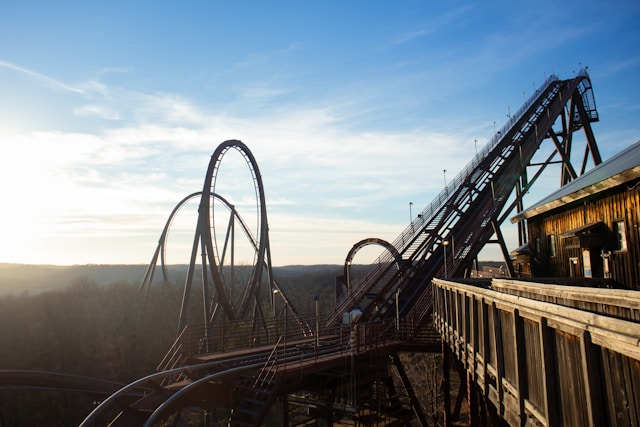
<point x="270" y="369"/>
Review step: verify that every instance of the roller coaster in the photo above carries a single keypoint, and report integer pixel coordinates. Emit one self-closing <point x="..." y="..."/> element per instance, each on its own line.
<point x="249" y="362"/>
<point x="380" y="312"/>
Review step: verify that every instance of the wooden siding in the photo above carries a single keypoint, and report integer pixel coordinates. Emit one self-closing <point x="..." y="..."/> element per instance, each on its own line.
<point x="619" y="204"/>
<point x="542" y="364"/>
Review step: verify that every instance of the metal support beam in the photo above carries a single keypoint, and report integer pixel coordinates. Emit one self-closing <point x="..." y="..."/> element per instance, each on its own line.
<point x="415" y="403"/>
<point x="503" y="247"/>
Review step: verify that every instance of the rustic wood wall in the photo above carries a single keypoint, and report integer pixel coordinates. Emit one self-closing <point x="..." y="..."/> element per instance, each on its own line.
<point x="619" y="204"/>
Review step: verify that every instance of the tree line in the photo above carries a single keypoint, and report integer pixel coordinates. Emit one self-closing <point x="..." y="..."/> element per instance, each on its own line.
<point x="112" y="332"/>
<point x="116" y="332"/>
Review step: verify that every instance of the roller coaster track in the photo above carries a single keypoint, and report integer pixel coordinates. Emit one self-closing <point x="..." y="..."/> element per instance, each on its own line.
<point x="57" y="381"/>
<point x="242" y="383"/>
<point x="394" y="296"/>
<point x="443" y="240"/>
<point x="160" y="252"/>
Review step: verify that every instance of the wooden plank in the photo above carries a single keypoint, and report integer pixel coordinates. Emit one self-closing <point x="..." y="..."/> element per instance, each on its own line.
<point x="610" y="386"/>
<point x="539" y="419"/>
<point x="631" y="387"/>
<point x="472" y="347"/>
<point x="591" y="372"/>
<point x="521" y="364"/>
<point x="614" y="297"/>
<point x="549" y="373"/>
<point x="634" y="367"/>
<point x="498" y="351"/>
<point x="486" y="346"/>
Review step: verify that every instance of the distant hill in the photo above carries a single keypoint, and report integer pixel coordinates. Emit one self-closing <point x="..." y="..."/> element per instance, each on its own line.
<point x="21" y="278"/>
<point x="34" y="279"/>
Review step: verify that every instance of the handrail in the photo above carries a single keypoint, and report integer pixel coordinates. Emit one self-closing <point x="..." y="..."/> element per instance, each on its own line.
<point x="415" y="229"/>
<point x="173" y="354"/>
<point x="272" y="361"/>
<point x="626" y="302"/>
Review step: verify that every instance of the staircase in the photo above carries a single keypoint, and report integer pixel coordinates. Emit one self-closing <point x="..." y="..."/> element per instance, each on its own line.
<point x="254" y="395"/>
<point x="465" y="214"/>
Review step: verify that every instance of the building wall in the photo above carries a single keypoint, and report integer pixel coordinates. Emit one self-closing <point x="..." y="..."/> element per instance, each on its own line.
<point x="561" y="256"/>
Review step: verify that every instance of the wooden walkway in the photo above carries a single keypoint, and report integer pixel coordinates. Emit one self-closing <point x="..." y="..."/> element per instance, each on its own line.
<point x="545" y="355"/>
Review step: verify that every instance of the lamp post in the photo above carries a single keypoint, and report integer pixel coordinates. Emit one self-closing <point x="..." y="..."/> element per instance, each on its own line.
<point x="410" y="213"/>
<point x="275" y="312"/>
<point x="316" y="298"/>
<point x="397" y="311"/>
<point x="445" y="243"/>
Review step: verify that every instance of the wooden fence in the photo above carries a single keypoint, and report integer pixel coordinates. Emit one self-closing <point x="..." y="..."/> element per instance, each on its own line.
<point x="540" y="363"/>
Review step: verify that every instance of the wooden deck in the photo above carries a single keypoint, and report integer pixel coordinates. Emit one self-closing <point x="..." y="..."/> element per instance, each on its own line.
<point x="546" y="363"/>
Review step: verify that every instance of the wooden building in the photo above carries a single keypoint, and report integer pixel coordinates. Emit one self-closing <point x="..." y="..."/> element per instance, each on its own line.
<point x="589" y="227"/>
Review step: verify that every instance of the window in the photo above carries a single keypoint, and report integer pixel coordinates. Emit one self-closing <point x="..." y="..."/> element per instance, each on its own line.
<point x="621" y="235"/>
<point x="551" y="241"/>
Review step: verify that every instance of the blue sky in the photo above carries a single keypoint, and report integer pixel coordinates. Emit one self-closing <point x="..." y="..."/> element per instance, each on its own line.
<point x="110" y="111"/>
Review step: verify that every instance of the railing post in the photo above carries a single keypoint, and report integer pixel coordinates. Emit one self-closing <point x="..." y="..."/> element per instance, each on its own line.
<point x="546" y="335"/>
<point x="521" y="363"/>
<point x="499" y="353"/>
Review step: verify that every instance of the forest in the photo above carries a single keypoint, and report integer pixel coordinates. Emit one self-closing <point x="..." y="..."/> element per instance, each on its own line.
<point x="113" y="331"/>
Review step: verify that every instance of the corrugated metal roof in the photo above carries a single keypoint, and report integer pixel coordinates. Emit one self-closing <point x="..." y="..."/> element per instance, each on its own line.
<point x="619" y="169"/>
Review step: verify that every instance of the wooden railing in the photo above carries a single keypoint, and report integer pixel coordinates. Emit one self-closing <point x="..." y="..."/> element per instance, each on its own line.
<point x="620" y="303"/>
<point x="541" y="363"/>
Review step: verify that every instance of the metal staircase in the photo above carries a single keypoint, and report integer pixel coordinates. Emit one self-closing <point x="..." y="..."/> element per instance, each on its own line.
<point x="254" y="395"/>
<point x="450" y="232"/>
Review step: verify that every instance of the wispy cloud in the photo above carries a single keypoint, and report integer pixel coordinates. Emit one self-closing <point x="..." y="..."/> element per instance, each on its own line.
<point x="45" y="80"/>
<point x="433" y="25"/>
<point x="617" y="67"/>
<point x="99" y="111"/>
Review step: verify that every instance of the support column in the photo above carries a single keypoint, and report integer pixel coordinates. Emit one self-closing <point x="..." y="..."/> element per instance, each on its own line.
<point x="446" y="383"/>
<point x="462" y="391"/>
<point x="472" y="399"/>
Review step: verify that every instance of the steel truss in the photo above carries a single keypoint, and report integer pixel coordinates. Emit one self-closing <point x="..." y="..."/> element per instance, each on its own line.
<point x="443" y="240"/>
<point x="447" y="236"/>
